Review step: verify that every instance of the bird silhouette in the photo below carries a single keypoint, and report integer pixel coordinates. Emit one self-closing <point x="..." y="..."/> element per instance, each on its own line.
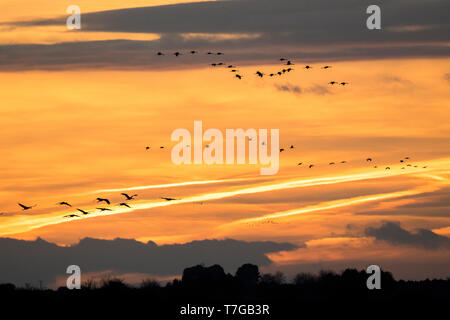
<point x="160" y="54"/>
<point x="259" y="74"/>
<point x="219" y="53"/>
<point x="193" y="52"/>
<point x="332" y="163"/>
<point x="326" y="67"/>
<point x="311" y="165"/>
<point x="281" y="149"/>
<point x="24" y="207"/>
<point x="123" y="204"/>
<point x="162" y="147"/>
<point x="388" y="168"/>
<point x="300" y="163"/>
<point x="238" y="76"/>
<point x="71" y="216"/>
<point x="332" y="82"/>
<point x="343" y="161"/>
<point x="308" y="67"/>
<point x="147" y="148"/>
<point x="82" y="211"/>
<point x="63" y="203"/>
<point x="289" y="63"/>
<point x="369" y="159"/>
<point x="104" y="209"/>
<point x="407" y="158"/>
<point x="283" y="59"/>
<point x="401" y="161"/>
<point x="103" y="200"/>
<point x="291" y="147"/>
<point x="128" y="197"/>
<point x="169" y="199"/>
<point x="344" y="83"/>
<point x="176" y="54"/>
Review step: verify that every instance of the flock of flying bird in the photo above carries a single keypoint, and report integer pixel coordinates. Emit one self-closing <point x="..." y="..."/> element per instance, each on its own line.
<point x="370" y="160"/>
<point x="287" y="66"/>
<point x="288" y="63"/>
<point x="310" y="166"/>
<point x="99" y="200"/>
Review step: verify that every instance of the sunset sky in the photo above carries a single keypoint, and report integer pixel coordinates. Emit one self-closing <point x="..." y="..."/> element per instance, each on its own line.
<point x="78" y="109"/>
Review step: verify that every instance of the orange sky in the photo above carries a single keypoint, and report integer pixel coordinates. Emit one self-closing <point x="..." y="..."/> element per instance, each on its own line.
<point x="68" y="134"/>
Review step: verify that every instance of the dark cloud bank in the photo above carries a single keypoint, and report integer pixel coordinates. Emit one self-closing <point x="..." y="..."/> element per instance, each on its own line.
<point x="32" y="261"/>
<point x="394" y="234"/>
<point x="326" y="30"/>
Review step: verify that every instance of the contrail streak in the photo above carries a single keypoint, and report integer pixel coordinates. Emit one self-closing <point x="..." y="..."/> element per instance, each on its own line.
<point x="27" y="223"/>
<point x="333" y="205"/>
<point x="169" y="185"/>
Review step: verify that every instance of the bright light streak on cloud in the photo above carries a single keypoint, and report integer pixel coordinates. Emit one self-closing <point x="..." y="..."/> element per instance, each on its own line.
<point x="169" y="185"/>
<point x="334" y="204"/>
<point x="18" y="224"/>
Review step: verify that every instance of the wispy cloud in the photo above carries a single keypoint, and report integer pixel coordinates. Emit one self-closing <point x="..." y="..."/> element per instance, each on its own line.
<point x="447" y="77"/>
<point x="297" y="90"/>
<point x="141" y="55"/>
<point x="289" y="88"/>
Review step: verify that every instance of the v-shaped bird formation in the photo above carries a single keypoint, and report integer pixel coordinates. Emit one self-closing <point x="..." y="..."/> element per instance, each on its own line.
<point x="286" y="66"/>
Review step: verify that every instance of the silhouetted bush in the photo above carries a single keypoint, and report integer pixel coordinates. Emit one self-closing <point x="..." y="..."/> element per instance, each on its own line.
<point x="304" y="279"/>
<point x="89" y="284"/>
<point x="248" y="274"/>
<point x="113" y="284"/>
<point x="7" y="287"/>
<point x="150" y="284"/>
<point x="273" y="279"/>
<point x="204" y="276"/>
